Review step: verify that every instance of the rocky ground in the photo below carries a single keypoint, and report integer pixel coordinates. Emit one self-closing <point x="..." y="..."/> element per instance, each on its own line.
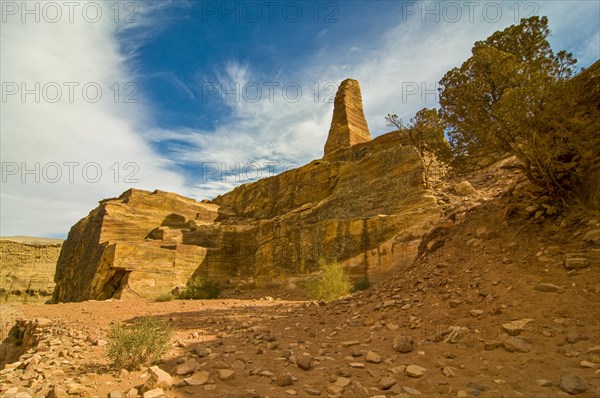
<point x="504" y="301"/>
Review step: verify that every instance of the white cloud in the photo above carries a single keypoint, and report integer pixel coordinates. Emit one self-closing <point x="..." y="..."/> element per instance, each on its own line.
<point x="278" y="133"/>
<point x="398" y="73"/>
<point x="43" y="136"/>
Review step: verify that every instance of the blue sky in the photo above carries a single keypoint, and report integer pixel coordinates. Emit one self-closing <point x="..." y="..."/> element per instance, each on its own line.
<point x="162" y="121"/>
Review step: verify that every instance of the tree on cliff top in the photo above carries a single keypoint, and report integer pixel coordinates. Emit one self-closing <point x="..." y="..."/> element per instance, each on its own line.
<point x="511" y="97"/>
<point x="425" y="132"/>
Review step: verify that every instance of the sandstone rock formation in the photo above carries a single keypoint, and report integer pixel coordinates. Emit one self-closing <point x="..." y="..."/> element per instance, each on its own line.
<point x="28" y="265"/>
<point x="348" y="126"/>
<point x="133" y="243"/>
<point x="364" y="204"/>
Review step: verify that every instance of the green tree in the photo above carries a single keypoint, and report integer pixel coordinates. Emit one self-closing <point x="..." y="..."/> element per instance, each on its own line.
<point x="394" y="121"/>
<point x="511" y="97"/>
<point x="428" y="131"/>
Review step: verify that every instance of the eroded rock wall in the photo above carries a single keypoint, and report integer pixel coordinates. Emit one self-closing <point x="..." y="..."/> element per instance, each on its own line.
<point x="364" y="204"/>
<point x="131" y="245"/>
<point x="28" y="265"/>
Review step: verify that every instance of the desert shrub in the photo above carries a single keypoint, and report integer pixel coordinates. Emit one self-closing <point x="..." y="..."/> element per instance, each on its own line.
<point x="516" y="96"/>
<point x="161" y="298"/>
<point x="361" y="284"/>
<point x="139" y="345"/>
<point x="198" y="288"/>
<point x="331" y="283"/>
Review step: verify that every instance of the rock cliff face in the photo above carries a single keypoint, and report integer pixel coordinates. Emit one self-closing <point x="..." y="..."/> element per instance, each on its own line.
<point x="131" y="245"/>
<point x="364" y="204"/>
<point x="348" y="126"/>
<point x="28" y="265"/>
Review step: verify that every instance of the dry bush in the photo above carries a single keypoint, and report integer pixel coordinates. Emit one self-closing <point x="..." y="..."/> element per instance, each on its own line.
<point x="139" y="345"/>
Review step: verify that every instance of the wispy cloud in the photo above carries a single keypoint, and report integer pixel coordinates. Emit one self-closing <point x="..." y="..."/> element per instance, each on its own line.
<point x="273" y="130"/>
<point x="61" y="155"/>
<point x="398" y="72"/>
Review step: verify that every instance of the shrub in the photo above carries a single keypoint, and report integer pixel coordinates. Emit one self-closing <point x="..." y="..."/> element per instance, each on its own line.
<point x="139" y="345"/>
<point x="515" y="96"/>
<point x="332" y="282"/>
<point x="361" y="284"/>
<point x="199" y="289"/>
<point x="161" y="298"/>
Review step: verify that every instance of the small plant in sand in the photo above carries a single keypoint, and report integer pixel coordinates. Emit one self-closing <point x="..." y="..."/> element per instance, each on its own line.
<point x="361" y="284"/>
<point x="139" y="345"/>
<point x="331" y="283"/>
<point x="199" y="288"/>
<point x="161" y="298"/>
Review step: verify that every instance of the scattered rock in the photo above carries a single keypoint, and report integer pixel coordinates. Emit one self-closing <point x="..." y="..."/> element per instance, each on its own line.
<point x="304" y="362"/>
<point x="414" y="371"/>
<point x="476" y="313"/>
<point x="464" y="188"/>
<point x="284" y="380"/>
<point x="455" y="303"/>
<point x="373" y="357"/>
<point x="386" y="383"/>
<point x="199" y="378"/>
<point x="549" y="288"/>
<point x="334" y="390"/>
<point x="515" y="328"/>
<point x="402" y="344"/>
<point x="453" y="334"/>
<point x="575" y="337"/>
<point x="342" y="382"/>
<point x="388" y="303"/>
<point x="57" y="392"/>
<point x="159" y="379"/>
<point x="156" y="393"/>
<point x="592" y="236"/>
<point x="576" y="263"/>
<point x="188" y="367"/>
<point x="410" y="390"/>
<point x="448" y="372"/>
<point x="573" y="384"/>
<point x="516" y="345"/>
<point x="510" y="343"/>
<point x="226" y="374"/>
<point x="588" y="364"/>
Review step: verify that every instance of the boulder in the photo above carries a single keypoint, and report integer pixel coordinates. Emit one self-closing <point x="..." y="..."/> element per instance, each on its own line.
<point x="573" y="384"/>
<point x="199" y="378"/>
<point x="158" y="379"/>
<point x="464" y="188"/>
